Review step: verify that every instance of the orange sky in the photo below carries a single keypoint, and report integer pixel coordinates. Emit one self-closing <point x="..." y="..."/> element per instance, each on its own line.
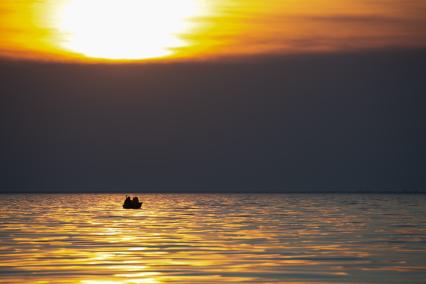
<point x="229" y="28"/>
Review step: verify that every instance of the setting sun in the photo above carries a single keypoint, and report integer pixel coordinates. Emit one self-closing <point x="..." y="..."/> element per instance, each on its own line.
<point x="188" y="30"/>
<point x="125" y="29"/>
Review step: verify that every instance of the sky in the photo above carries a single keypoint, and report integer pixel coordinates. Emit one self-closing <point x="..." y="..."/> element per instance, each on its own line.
<point x="70" y="30"/>
<point x="218" y="96"/>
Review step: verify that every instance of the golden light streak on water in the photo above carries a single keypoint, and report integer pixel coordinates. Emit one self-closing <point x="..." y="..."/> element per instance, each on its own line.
<point x="213" y="239"/>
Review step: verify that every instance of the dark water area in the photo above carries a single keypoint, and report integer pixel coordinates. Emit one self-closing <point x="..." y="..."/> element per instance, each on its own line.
<point x="213" y="238"/>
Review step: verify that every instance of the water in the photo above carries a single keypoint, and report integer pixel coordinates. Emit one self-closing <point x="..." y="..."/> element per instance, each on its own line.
<point x="213" y="239"/>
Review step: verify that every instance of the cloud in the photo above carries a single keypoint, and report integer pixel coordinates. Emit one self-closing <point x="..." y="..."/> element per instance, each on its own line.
<point x="240" y="28"/>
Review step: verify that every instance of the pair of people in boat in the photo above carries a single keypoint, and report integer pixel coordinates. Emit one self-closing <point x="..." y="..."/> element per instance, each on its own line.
<point x="134" y="200"/>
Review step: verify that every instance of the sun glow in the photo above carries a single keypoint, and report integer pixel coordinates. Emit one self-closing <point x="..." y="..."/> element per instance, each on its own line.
<point x="125" y="29"/>
<point x="173" y="30"/>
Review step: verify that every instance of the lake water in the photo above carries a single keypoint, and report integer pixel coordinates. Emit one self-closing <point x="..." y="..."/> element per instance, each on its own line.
<point x="215" y="238"/>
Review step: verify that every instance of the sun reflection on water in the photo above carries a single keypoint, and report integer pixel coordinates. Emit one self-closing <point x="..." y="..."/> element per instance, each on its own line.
<point x="212" y="239"/>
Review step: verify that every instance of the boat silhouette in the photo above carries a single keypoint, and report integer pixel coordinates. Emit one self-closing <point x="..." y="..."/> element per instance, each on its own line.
<point x="132" y="203"/>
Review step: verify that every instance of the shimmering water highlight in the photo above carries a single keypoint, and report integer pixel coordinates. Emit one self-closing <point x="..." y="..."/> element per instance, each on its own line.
<point x="215" y="238"/>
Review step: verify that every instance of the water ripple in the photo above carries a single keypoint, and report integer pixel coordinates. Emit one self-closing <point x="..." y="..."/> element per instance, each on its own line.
<point x="215" y="238"/>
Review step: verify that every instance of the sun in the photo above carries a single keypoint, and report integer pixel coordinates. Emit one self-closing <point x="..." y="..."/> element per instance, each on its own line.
<point x="125" y="29"/>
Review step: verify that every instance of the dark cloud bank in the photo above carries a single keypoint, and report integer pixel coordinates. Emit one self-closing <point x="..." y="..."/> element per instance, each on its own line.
<point x="353" y="122"/>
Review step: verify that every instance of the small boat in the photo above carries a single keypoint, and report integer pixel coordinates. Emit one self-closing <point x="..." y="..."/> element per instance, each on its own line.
<point x="132" y="203"/>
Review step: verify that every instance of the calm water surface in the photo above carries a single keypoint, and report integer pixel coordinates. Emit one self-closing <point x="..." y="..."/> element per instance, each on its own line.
<point x="213" y="239"/>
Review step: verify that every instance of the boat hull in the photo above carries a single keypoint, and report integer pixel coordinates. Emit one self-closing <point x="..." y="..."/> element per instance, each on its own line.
<point x="133" y="205"/>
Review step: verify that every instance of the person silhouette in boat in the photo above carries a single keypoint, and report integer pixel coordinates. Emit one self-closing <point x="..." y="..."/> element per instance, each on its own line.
<point x="132" y="203"/>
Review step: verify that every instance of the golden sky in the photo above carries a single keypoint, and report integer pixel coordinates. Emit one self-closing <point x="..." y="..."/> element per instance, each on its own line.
<point x="97" y="30"/>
